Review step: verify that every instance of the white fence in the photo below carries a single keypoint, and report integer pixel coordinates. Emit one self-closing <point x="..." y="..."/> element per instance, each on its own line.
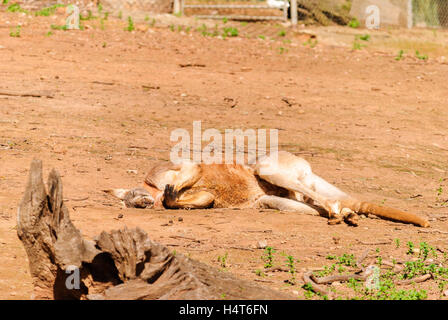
<point x="181" y="5"/>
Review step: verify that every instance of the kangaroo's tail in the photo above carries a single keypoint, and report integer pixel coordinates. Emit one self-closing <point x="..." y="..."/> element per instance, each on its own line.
<point x="387" y="213"/>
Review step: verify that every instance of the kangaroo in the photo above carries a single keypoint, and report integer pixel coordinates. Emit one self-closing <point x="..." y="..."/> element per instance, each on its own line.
<point x="290" y="186"/>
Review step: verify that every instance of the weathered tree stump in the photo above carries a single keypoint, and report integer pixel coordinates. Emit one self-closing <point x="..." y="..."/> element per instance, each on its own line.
<point x="121" y="264"/>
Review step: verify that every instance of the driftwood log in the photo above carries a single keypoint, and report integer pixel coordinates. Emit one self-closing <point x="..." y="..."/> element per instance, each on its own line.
<point x="121" y="264"/>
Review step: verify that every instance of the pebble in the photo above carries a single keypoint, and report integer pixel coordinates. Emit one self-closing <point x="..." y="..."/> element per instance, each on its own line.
<point x="336" y="283"/>
<point x="180" y="219"/>
<point x="262" y="244"/>
<point x="445" y="293"/>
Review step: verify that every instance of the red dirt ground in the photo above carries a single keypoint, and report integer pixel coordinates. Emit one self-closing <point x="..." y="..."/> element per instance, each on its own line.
<point x="373" y="126"/>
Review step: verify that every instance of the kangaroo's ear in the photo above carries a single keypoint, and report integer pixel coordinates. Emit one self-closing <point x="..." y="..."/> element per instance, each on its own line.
<point x="119" y="193"/>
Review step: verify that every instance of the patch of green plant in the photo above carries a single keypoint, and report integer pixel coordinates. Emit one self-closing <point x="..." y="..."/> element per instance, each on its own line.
<point x="89" y="16"/>
<point x="282" y="33"/>
<point x="364" y="37"/>
<point x="203" y="30"/>
<point x="230" y="32"/>
<point x="419" y="56"/>
<point x="290" y="263"/>
<point x="268" y="257"/>
<point x="223" y="260"/>
<point x="312" y="42"/>
<point x="56" y="27"/>
<point x="130" y="27"/>
<point x="15" y="7"/>
<point x="399" y="55"/>
<point x="388" y="291"/>
<point x="49" y="11"/>
<point x="327" y="271"/>
<point x="439" y="201"/>
<point x="411" y="248"/>
<point x="282" y="50"/>
<point x="354" y="23"/>
<point x="260" y="273"/>
<point x="309" y="293"/>
<point x="15" y="33"/>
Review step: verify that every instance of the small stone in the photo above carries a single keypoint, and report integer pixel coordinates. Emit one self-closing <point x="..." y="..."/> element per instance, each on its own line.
<point x="132" y="171"/>
<point x="445" y="293"/>
<point x="120" y="216"/>
<point x="295" y="292"/>
<point x="170" y="222"/>
<point x="262" y="244"/>
<point x="180" y="219"/>
<point x="336" y="283"/>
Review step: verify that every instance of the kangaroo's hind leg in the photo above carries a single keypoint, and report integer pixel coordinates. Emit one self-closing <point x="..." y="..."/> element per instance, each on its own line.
<point x="295" y="174"/>
<point x="285" y="204"/>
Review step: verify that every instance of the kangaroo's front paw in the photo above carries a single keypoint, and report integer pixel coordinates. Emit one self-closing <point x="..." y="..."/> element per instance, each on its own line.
<point x="169" y="196"/>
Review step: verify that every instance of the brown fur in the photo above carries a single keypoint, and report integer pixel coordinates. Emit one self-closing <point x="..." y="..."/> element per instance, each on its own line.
<point x="190" y="185"/>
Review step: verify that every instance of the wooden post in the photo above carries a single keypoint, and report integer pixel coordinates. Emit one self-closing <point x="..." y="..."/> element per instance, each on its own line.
<point x="285" y="10"/>
<point x="294" y="12"/>
<point x="177" y="7"/>
<point x="410" y="15"/>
